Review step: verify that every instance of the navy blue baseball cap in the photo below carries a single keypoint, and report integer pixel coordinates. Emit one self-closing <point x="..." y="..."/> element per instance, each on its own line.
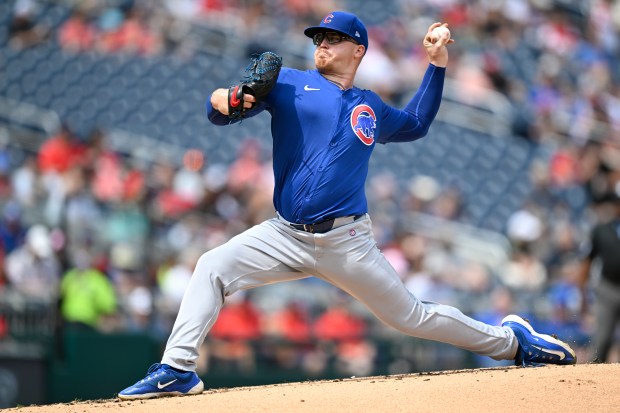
<point x="341" y="22"/>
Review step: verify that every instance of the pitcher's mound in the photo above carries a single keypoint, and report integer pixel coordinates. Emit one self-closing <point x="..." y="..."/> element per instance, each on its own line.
<point x="580" y="388"/>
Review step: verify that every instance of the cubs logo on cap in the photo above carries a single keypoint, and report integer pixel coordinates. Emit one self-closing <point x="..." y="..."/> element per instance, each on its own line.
<point x="342" y="22"/>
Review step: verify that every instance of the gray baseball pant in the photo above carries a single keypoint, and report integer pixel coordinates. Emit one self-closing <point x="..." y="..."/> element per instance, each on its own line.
<point x="346" y="257"/>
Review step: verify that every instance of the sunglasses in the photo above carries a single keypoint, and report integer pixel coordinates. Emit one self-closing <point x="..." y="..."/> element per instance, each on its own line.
<point x="332" y="38"/>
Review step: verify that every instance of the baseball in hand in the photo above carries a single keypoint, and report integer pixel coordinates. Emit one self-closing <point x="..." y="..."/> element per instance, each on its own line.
<point x="438" y="32"/>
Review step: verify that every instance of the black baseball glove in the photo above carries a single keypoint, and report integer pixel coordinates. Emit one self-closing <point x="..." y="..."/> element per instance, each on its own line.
<point x="262" y="74"/>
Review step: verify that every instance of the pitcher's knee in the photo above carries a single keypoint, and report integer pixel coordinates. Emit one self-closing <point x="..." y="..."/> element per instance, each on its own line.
<point x="217" y="260"/>
<point x="210" y="267"/>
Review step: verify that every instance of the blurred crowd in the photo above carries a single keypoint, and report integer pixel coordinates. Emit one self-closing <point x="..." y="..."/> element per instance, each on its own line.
<point x="115" y="239"/>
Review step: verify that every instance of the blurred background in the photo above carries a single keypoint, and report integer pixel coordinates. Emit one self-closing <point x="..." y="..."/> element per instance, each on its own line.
<point x="113" y="183"/>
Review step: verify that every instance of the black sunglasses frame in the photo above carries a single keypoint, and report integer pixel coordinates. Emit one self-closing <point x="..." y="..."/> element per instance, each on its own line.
<point x="336" y="38"/>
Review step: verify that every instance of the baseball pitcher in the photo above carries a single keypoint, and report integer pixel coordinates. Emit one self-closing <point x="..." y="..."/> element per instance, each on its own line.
<point x="324" y="130"/>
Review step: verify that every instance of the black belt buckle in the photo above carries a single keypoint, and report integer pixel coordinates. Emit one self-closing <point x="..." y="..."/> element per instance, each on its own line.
<point x="320" y="227"/>
<point x="317" y="228"/>
<point x="323" y="227"/>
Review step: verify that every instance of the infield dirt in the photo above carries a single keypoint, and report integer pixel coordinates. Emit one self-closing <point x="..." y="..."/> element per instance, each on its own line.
<point x="580" y="388"/>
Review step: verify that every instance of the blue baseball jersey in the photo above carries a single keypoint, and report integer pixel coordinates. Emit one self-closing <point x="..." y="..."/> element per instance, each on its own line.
<point x="323" y="137"/>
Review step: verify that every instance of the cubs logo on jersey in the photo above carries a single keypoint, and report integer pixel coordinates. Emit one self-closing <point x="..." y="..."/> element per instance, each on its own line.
<point x="364" y="123"/>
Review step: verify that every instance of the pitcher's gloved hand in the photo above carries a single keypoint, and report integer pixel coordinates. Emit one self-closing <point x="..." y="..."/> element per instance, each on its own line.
<point x="262" y="74"/>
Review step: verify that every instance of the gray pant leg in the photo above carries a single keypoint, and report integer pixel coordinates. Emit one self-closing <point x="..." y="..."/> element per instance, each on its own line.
<point x="607" y="317"/>
<point x="351" y="261"/>
<point x="273" y="252"/>
<point x="259" y="256"/>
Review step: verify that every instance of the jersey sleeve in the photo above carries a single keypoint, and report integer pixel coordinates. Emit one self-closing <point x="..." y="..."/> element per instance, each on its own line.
<point x="414" y="121"/>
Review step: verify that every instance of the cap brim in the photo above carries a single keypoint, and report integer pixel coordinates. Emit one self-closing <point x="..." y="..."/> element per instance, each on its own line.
<point x="311" y="31"/>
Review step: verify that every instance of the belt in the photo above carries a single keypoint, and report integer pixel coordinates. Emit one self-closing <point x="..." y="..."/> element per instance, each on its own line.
<point x="325" y="226"/>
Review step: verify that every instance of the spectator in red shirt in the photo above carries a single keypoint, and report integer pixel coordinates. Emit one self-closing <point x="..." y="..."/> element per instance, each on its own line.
<point x="127" y="32"/>
<point x="291" y="323"/>
<point x="238" y="320"/>
<point x="345" y="331"/>
<point x="77" y="34"/>
<point x="60" y="152"/>
<point x="338" y="324"/>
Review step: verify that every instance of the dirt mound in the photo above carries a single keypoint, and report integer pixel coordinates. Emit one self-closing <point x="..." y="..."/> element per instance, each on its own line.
<point x="580" y="388"/>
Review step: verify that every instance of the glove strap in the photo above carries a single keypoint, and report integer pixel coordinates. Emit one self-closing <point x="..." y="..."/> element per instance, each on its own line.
<point x="235" y="101"/>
